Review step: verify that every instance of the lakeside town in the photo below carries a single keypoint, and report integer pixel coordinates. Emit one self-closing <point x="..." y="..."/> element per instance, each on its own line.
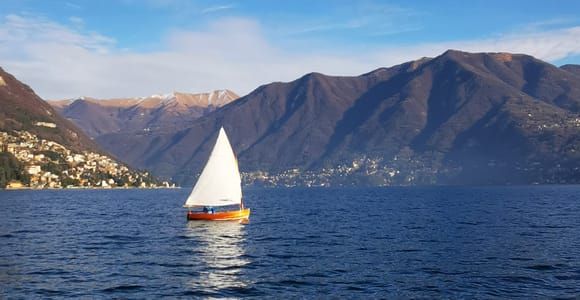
<point x="37" y="163"/>
<point x="361" y="171"/>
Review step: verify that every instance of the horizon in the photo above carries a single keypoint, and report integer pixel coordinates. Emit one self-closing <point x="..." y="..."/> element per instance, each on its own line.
<point x="118" y="49"/>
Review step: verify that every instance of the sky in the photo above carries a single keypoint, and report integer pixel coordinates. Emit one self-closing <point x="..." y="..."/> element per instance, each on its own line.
<point x="130" y="48"/>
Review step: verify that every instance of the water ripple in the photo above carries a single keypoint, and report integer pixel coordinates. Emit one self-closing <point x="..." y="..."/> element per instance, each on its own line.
<point x="441" y="242"/>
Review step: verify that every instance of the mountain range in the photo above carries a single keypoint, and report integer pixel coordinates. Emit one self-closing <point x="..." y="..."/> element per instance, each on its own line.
<point x="459" y="118"/>
<point x="124" y="124"/>
<point x="99" y="117"/>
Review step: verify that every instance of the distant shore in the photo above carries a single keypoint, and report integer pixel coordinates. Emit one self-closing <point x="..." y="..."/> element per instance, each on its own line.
<point x="89" y="188"/>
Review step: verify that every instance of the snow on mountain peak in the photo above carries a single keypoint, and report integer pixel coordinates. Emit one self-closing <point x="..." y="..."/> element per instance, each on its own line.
<point x="164" y="97"/>
<point x="216" y="96"/>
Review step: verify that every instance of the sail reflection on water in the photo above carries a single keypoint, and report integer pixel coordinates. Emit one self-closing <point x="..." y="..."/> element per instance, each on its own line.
<point x="219" y="246"/>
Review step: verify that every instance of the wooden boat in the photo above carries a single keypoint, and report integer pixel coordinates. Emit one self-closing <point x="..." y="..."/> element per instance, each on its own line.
<point x="220" y="215"/>
<point x="219" y="186"/>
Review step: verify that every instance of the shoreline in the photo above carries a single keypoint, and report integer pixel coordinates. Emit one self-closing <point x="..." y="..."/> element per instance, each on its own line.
<point x="304" y="187"/>
<point x="88" y="188"/>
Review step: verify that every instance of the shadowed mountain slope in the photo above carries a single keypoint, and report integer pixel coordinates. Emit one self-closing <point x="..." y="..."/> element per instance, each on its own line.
<point x="459" y="118"/>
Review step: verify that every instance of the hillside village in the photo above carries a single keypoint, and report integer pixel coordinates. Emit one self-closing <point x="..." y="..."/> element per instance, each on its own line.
<point x="361" y="171"/>
<point x="46" y="164"/>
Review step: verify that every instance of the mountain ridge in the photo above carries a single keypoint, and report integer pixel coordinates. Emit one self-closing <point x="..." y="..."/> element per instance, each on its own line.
<point x="458" y="118"/>
<point x="98" y="117"/>
<point x="22" y="109"/>
<point x="429" y="108"/>
<point x="196" y="99"/>
<point x="575" y="69"/>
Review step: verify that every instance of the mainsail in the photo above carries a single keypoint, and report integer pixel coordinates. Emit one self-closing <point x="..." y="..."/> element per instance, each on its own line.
<point x="219" y="183"/>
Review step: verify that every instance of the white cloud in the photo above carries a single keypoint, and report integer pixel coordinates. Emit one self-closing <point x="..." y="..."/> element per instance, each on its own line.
<point x="22" y="34"/>
<point x="77" y="22"/>
<point x="216" y="8"/>
<point x="72" y="5"/>
<point x="62" y="62"/>
<point x="549" y="45"/>
<point x="370" y="18"/>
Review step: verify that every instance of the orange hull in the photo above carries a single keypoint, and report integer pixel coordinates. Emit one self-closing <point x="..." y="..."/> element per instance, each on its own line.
<point x="220" y="215"/>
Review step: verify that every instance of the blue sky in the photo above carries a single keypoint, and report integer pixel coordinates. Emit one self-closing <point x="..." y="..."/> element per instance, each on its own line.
<point x="121" y="48"/>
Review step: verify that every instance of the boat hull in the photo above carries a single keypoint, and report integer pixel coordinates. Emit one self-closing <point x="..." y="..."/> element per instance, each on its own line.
<point x="220" y="215"/>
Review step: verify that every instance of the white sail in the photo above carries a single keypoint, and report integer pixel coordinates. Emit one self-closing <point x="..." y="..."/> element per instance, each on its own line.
<point x="219" y="183"/>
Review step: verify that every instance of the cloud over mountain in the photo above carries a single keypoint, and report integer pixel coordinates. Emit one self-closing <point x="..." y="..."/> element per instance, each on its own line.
<point x="63" y="60"/>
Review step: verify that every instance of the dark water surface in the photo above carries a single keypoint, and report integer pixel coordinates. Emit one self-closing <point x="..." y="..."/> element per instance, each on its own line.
<point x="506" y="242"/>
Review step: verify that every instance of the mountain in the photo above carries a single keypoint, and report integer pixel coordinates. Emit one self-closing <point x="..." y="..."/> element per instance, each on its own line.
<point x="22" y="109"/>
<point x="41" y="149"/>
<point x="121" y="126"/>
<point x="459" y="118"/>
<point x="572" y="69"/>
<point x="99" y="117"/>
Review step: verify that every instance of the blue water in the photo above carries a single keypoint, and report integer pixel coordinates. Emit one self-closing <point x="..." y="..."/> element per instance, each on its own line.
<point x="505" y="242"/>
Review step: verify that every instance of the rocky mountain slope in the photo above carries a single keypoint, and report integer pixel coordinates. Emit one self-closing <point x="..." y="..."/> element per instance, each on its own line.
<point x="99" y="117"/>
<point x="572" y="69"/>
<point x="22" y="109"/>
<point x="459" y="118"/>
<point x="121" y="126"/>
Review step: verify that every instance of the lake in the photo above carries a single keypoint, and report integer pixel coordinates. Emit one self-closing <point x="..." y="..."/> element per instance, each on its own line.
<point x="424" y="242"/>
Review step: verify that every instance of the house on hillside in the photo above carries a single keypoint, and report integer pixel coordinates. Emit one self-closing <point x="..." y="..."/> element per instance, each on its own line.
<point x="15" y="184"/>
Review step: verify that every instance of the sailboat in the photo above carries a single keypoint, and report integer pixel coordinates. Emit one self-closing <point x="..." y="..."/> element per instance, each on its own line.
<point x="219" y="186"/>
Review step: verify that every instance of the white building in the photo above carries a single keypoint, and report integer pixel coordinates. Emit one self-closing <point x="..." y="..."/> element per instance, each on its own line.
<point x="33" y="170"/>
